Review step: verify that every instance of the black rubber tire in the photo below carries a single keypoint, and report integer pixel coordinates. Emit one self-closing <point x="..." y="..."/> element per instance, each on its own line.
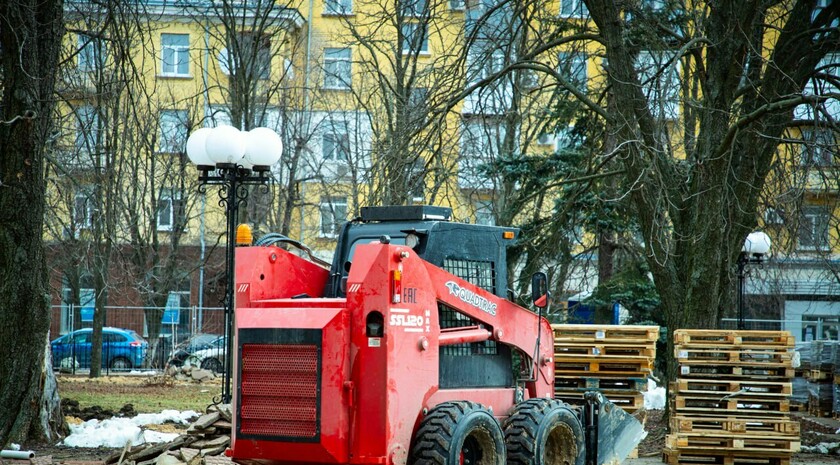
<point x="544" y="432"/>
<point x="120" y="364"/>
<point x="212" y="364"/>
<point x="455" y="430"/>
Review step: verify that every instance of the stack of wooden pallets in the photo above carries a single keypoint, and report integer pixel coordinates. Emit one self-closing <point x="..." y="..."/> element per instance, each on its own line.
<point x="613" y="359"/>
<point x="730" y="403"/>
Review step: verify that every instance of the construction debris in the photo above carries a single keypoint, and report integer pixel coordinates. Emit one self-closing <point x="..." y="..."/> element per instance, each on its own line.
<point x="207" y="437"/>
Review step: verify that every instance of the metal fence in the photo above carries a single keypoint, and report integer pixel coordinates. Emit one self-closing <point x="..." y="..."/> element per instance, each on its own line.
<point x="809" y="328"/>
<point x="178" y="326"/>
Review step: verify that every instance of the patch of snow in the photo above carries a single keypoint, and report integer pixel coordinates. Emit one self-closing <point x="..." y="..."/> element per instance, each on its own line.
<point x="654" y="397"/>
<point x="116" y="432"/>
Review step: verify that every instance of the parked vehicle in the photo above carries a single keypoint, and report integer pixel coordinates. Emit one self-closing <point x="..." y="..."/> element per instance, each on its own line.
<point x="211" y="358"/>
<point x="122" y="349"/>
<point x="192" y="345"/>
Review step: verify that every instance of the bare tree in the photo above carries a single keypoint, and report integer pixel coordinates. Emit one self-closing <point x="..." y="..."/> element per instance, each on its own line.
<point x="696" y="156"/>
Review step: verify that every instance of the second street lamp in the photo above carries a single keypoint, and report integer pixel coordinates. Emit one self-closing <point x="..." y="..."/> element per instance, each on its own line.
<point x="756" y="247"/>
<point x="233" y="160"/>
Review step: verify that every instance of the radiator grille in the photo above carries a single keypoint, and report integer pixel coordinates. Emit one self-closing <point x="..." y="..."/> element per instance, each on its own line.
<point x="279" y="390"/>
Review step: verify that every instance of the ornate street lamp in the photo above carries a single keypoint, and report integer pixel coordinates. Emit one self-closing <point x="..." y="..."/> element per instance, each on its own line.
<point x="756" y="247"/>
<point x="233" y="160"/>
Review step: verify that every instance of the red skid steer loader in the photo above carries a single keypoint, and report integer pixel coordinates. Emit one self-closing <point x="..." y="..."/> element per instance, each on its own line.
<point x="405" y="350"/>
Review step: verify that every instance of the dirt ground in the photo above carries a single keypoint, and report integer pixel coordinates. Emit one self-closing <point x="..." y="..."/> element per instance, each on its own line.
<point x="814" y="431"/>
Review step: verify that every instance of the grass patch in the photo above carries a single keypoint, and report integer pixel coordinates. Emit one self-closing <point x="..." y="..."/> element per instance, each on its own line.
<point x="113" y="392"/>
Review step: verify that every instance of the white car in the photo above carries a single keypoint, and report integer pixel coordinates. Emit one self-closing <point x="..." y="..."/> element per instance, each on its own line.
<point x="212" y="359"/>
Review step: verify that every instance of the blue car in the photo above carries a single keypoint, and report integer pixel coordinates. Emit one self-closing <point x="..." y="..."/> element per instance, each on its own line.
<point x="122" y="349"/>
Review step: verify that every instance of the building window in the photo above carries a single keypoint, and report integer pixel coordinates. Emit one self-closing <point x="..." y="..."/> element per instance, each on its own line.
<point x="572" y="67"/>
<point x="87" y="129"/>
<point x="484" y="213"/>
<point x="338" y="7"/>
<point x="415" y="38"/>
<point x="337" y="68"/>
<point x="176" y="54"/>
<point x="417" y="181"/>
<point x="573" y="8"/>
<point x="335" y="143"/>
<point x="91" y="53"/>
<point x="170" y="210"/>
<point x="173" y="131"/>
<point x="82" y="210"/>
<point x="456" y="5"/>
<point x="412" y="7"/>
<point x="254" y="53"/>
<point x="813" y="228"/>
<point x="818" y="147"/>
<point x="659" y="76"/>
<point x="333" y="214"/>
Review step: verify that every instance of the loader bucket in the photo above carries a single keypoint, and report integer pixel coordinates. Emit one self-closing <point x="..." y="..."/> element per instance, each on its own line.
<point x="611" y="433"/>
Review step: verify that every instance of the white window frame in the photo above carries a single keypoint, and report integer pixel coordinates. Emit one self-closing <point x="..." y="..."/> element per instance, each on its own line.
<point x="663" y="92"/>
<point x="166" y="209"/>
<point x="409" y="29"/>
<point x="335" y="143"/>
<point x="180" y="67"/>
<point x="573" y="9"/>
<point x="329" y="221"/>
<point x="818" y="147"/>
<point x="457" y="5"/>
<point x="413" y="8"/>
<point x="577" y="74"/>
<point x="484" y="212"/>
<point x="172" y="131"/>
<point x="87" y="129"/>
<point x="338" y="68"/>
<point x="815" y="220"/>
<point x="338" y="7"/>
<point x="82" y="200"/>
<point x="91" y="56"/>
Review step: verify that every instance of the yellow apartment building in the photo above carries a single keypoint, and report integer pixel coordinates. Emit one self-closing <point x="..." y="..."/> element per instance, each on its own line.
<point x="375" y="103"/>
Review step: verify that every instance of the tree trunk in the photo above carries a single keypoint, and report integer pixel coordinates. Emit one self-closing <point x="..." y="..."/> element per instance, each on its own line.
<point x="30" y="36"/>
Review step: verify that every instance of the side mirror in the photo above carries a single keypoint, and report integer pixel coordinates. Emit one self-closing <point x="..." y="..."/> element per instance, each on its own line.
<point x="539" y="289"/>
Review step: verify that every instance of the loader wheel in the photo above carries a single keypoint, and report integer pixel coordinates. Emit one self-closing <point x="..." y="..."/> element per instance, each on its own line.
<point x="459" y="433"/>
<point x="544" y="432"/>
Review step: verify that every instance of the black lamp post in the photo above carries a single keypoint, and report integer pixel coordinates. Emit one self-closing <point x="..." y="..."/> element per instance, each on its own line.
<point x="232" y="160"/>
<point x="756" y="246"/>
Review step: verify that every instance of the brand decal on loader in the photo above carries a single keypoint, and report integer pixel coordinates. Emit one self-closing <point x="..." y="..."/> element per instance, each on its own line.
<point x="471" y="298"/>
<point x="410" y="323"/>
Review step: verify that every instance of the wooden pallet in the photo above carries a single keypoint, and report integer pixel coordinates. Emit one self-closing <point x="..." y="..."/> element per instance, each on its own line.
<point x="618" y="350"/>
<point x="746" y="406"/>
<point x="711" y="457"/>
<point x="727" y="387"/>
<point x="717" y="338"/>
<point x="615" y="334"/>
<point x="735" y="425"/>
<point x="590" y="383"/>
<point x="764" y="373"/>
<point x="734" y="356"/>
<point x="628" y="368"/>
<point x="692" y="442"/>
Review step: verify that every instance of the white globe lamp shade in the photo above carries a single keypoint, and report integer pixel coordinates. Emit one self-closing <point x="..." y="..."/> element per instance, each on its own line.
<point x="196" y="148"/>
<point x="264" y="147"/>
<point x="225" y="144"/>
<point x="757" y="243"/>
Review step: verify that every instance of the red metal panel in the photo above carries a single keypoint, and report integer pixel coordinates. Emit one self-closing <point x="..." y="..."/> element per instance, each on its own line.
<point x="279" y="390"/>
